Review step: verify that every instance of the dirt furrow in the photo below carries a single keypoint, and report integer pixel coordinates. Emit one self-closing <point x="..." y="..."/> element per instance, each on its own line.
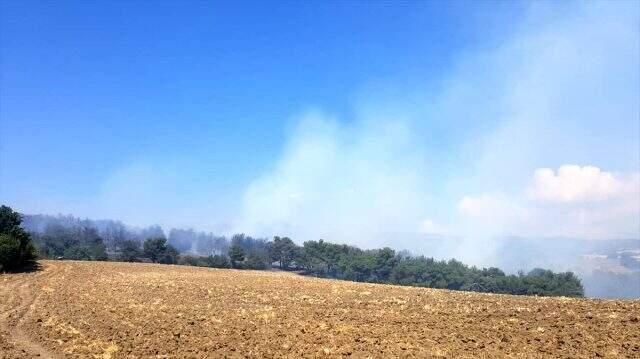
<point x="19" y="299"/>
<point x="124" y="310"/>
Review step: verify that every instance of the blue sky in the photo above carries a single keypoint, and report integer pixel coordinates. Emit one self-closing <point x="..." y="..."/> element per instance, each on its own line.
<point x="89" y="87"/>
<point x="206" y="115"/>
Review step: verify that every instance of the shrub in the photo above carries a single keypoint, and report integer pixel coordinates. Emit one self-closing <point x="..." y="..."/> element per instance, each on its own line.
<point x="254" y="261"/>
<point x="218" y="261"/>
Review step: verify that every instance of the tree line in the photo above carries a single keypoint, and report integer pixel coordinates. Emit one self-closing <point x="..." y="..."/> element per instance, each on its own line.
<point x="70" y="238"/>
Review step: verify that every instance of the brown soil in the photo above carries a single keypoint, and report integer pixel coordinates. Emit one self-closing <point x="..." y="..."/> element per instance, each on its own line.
<point x="119" y="310"/>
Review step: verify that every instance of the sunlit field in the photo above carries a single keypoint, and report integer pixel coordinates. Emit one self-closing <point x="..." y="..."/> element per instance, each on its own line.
<point x="120" y="310"/>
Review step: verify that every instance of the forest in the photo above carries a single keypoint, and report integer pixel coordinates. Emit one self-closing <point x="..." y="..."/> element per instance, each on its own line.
<point x="67" y="237"/>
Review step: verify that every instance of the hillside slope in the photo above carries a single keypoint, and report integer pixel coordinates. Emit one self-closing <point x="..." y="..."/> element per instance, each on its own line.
<point x="82" y="309"/>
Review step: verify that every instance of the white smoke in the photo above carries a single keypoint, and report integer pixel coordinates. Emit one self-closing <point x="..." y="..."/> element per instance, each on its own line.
<point x="347" y="183"/>
<point x="561" y="90"/>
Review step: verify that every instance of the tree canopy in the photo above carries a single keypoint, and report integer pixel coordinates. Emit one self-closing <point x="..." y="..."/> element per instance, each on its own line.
<point x="236" y="255"/>
<point x="159" y="251"/>
<point x="16" y="250"/>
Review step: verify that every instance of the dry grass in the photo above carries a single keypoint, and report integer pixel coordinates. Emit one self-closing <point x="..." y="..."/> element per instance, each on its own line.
<point x="118" y="310"/>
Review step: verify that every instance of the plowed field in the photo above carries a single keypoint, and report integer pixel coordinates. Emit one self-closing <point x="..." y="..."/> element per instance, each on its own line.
<point x="119" y="310"/>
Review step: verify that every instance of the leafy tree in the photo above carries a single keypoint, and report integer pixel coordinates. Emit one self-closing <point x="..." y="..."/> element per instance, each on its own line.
<point x="80" y="253"/>
<point x="130" y="251"/>
<point x="236" y="255"/>
<point x="384" y="263"/>
<point x="254" y="261"/>
<point x="9" y="252"/>
<point x="159" y="251"/>
<point x="98" y="252"/>
<point x="16" y="249"/>
<point x="169" y="256"/>
<point x="155" y="248"/>
<point x="283" y="251"/>
<point x="77" y="242"/>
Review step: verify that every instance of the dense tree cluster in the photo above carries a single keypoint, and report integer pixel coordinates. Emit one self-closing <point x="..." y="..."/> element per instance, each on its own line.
<point x="386" y="266"/>
<point x="16" y="250"/>
<point x="324" y="259"/>
<point x="118" y="238"/>
<point x="77" y="242"/>
<point x="71" y="238"/>
<point x="157" y="250"/>
<point x="66" y="237"/>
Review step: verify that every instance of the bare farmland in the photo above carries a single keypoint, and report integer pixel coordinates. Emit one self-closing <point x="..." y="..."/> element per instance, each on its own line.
<point x="119" y="310"/>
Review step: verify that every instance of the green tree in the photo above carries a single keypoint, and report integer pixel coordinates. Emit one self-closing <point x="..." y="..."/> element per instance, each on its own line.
<point x="155" y="248"/>
<point x="16" y="250"/>
<point x="385" y="261"/>
<point x="283" y="251"/>
<point x="129" y="251"/>
<point x="76" y="242"/>
<point x="9" y="252"/>
<point x="98" y="252"/>
<point x="80" y="253"/>
<point x="254" y="261"/>
<point x="236" y="254"/>
<point x="169" y="256"/>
